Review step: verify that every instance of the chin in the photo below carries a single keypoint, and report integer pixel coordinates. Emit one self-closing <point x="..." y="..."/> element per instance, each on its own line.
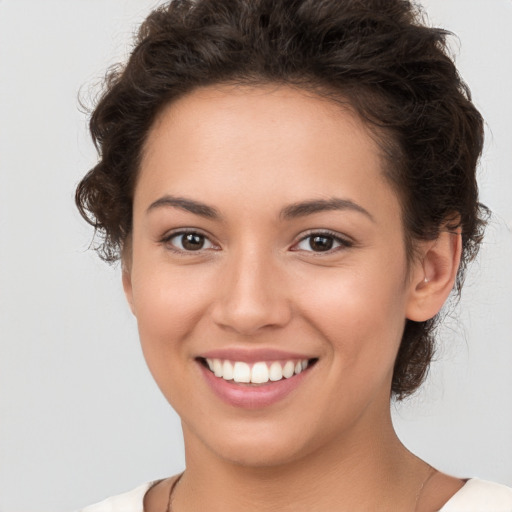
<point x="258" y="455"/>
<point x="256" y="444"/>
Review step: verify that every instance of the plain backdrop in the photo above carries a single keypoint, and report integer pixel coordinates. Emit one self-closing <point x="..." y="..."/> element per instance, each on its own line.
<point x="80" y="417"/>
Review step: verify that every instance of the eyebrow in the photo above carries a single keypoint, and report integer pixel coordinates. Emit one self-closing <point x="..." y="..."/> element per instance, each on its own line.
<point x="304" y="208"/>
<point x="292" y="211"/>
<point x="188" y="205"/>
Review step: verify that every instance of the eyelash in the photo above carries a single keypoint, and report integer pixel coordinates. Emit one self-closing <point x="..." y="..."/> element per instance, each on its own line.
<point x="342" y="243"/>
<point x="183" y="232"/>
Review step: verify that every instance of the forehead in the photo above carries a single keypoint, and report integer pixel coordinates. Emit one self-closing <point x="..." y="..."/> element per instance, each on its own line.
<point x="261" y="139"/>
<point x="248" y="109"/>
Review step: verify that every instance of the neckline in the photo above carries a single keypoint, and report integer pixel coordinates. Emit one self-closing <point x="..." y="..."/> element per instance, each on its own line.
<point x="175" y="478"/>
<point x="456" y="496"/>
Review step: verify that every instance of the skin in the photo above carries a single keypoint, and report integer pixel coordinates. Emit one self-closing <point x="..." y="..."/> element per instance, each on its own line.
<point x="258" y="283"/>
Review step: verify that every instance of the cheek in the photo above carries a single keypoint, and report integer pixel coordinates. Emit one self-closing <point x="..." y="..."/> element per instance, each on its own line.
<point x="361" y="314"/>
<point x="167" y="298"/>
<point x="169" y="305"/>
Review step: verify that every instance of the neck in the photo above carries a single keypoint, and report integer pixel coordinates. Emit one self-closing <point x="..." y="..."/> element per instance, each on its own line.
<point x="370" y="471"/>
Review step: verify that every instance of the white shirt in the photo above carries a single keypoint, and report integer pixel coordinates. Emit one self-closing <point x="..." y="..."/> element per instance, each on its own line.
<point x="476" y="496"/>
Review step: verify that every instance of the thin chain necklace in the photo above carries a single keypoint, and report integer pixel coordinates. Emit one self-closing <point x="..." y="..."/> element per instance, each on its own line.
<point x="431" y="472"/>
<point x="171" y="493"/>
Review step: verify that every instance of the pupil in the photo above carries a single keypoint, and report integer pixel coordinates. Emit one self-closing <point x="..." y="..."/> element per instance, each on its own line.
<point x="192" y="242"/>
<point x="321" y="243"/>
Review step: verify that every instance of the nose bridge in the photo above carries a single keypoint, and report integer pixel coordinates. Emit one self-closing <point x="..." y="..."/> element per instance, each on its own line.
<point x="252" y="295"/>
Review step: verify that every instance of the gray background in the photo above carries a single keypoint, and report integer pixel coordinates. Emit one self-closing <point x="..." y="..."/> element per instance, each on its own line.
<point x="80" y="417"/>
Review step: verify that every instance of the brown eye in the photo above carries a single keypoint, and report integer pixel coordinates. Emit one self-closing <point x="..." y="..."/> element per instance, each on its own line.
<point x="190" y="241"/>
<point x="321" y="243"/>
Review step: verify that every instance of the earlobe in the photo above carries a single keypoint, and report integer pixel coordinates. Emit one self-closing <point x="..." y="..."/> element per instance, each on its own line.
<point x="434" y="275"/>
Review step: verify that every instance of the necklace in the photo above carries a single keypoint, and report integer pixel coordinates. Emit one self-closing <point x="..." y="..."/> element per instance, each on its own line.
<point x="431" y="472"/>
<point x="171" y="491"/>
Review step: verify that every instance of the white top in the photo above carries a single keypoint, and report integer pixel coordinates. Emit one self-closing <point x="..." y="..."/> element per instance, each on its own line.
<point x="476" y="496"/>
<point x="480" y="496"/>
<point x="132" y="501"/>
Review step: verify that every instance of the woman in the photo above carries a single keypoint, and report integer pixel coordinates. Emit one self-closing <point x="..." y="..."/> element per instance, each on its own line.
<point x="290" y="187"/>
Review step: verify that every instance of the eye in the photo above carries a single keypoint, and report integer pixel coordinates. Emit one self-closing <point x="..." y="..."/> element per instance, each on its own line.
<point x="321" y="242"/>
<point x="189" y="241"/>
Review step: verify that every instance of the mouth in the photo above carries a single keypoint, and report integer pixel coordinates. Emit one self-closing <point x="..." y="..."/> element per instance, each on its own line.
<point x="258" y="373"/>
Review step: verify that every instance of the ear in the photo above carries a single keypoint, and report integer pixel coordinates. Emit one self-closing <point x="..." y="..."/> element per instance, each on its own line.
<point x="126" y="268"/>
<point x="127" y="286"/>
<point x="433" y="275"/>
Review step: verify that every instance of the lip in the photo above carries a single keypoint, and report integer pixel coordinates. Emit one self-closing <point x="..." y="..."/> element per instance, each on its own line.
<point x="247" y="396"/>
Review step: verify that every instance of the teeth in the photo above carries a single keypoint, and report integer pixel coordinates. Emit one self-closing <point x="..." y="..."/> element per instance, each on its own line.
<point x="288" y="369"/>
<point x="217" y="368"/>
<point x="227" y="370"/>
<point x="275" y="371"/>
<point x="241" y="372"/>
<point x="259" y="373"/>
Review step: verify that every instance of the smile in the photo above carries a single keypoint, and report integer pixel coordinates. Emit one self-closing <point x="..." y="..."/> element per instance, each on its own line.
<point x="254" y="379"/>
<point x="258" y="373"/>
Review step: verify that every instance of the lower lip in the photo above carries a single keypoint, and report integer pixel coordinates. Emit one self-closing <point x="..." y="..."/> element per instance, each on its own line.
<point x="252" y="396"/>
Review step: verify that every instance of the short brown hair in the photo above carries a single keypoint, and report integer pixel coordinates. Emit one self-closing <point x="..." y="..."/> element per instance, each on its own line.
<point x="393" y="69"/>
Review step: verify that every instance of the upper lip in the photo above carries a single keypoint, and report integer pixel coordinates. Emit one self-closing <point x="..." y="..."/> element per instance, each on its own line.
<point x="253" y="355"/>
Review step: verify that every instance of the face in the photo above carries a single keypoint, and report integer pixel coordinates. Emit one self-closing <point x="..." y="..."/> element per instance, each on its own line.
<point x="267" y="272"/>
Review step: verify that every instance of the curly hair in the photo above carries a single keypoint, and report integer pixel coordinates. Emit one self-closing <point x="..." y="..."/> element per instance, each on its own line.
<point x="377" y="55"/>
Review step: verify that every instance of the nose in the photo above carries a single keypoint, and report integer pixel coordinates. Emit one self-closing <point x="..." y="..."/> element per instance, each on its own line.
<point x="252" y="294"/>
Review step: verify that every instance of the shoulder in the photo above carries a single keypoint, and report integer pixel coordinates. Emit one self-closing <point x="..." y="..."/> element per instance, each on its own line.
<point x="480" y="496"/>
<point x="132" y="501"/>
